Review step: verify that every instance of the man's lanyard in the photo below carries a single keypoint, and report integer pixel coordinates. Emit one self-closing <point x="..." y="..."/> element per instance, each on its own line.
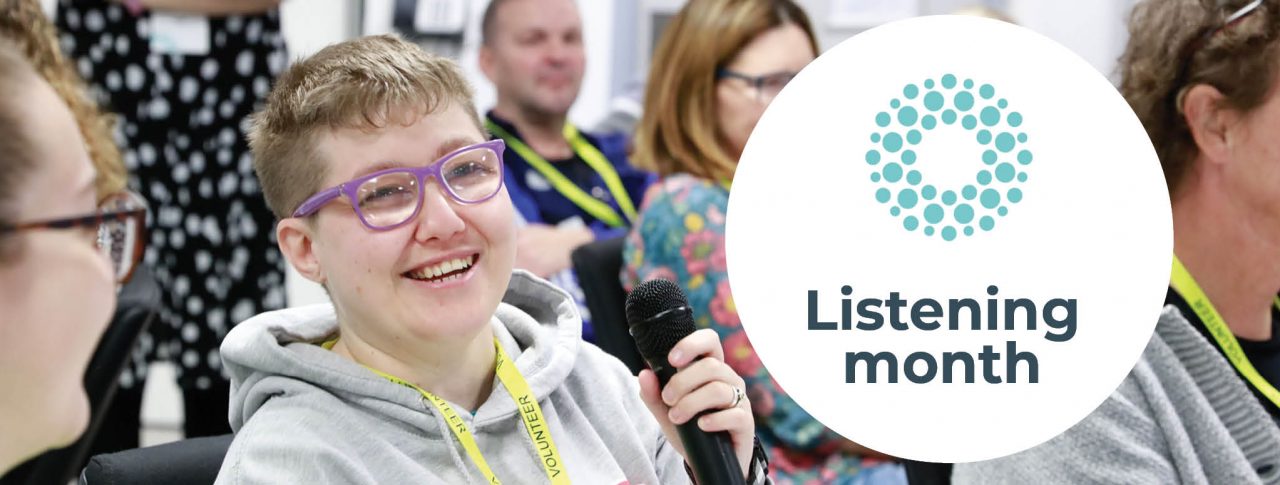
<point x="1186" y="286"/>
<point x="526" y="405"/>
<point x="596" y="160"/>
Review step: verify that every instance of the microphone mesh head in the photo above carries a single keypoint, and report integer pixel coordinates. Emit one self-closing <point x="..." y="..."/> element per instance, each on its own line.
<point x="655" y="338"/>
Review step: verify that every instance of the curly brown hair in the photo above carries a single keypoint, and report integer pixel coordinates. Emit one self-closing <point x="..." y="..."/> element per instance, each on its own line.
<point x="25" y="25"/>
<point x="1176" y="44"/>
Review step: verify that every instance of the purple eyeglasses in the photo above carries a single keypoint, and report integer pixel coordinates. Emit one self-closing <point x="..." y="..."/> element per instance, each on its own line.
<point x="388" y="199"/>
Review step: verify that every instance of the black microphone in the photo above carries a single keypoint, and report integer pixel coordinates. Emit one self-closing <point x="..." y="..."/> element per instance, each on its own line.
<point x="659" y="316"/>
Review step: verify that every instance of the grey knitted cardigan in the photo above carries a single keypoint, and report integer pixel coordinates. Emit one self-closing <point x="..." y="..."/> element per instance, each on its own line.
<point x="1181" y="416"/>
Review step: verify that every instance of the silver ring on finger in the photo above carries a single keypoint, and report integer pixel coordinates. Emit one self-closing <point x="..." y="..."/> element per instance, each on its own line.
<point x="738" y="396"/>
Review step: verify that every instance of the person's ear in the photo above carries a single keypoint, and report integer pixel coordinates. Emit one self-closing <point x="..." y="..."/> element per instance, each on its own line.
<point x="297" y="242"/>
<point x="487" y="61"/>
<point x="1210" y="121"/>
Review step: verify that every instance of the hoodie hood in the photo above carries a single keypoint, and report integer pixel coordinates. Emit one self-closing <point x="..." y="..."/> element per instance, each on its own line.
<point x="278" y="354"/>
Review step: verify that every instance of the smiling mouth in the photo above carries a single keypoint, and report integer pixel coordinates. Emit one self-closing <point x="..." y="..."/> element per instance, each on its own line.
<point x="444" y="271"/>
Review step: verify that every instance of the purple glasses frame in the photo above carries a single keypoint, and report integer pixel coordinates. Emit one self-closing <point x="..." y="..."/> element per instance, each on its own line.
<point x="348" y="189"/>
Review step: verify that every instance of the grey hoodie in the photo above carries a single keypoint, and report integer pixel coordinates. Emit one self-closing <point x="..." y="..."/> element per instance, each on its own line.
<point x="303" y="414"/>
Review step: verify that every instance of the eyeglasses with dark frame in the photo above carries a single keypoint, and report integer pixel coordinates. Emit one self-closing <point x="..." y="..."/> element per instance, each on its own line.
<point x="120" y="222"/>
<point x="388" y="199"/>
<point x="767" y="86"/>
<point x="1199" y="41"/>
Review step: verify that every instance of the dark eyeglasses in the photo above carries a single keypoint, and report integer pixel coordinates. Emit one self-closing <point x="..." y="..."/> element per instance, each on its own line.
<point x="767" y="86"/>
<point x="389" y="198"/>
<point x="120" y="222"/>
<point x="1198" y="42"/>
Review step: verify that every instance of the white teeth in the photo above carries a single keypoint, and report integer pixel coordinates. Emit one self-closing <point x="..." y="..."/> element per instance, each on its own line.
<point x="443" y="268"/>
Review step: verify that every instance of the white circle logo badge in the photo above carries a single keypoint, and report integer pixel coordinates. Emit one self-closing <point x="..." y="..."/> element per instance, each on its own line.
<point x="949" y="239"/>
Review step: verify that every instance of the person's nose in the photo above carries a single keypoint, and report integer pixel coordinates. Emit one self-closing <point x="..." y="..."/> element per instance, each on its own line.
<point x="438" y="218"/>
<point x="559" y="52"/>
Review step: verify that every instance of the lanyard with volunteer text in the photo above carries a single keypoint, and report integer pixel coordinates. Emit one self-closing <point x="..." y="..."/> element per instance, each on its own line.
<point x="596" y="160"/>
<point x="526" y="405"/>
<point x="1186" y="286"/>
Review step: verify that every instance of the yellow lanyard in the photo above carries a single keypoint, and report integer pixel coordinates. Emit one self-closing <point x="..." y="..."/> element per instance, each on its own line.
<point x="1186" y="286"/>
<point x="596" y="160"/>
<point x="526" y="405"/>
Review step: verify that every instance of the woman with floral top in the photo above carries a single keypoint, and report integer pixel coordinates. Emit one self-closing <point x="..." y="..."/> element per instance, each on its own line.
<point x="712" y="80"/>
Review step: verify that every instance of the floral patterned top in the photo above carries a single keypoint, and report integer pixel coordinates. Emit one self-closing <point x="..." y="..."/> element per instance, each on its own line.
<point x="679" y="236"/>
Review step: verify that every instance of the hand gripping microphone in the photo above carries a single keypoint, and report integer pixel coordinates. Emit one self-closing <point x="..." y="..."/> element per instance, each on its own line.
<point x="659" y="316"/>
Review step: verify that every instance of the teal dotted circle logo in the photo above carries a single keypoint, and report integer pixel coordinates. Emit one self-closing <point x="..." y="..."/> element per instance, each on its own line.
<point x="948" y="104"/>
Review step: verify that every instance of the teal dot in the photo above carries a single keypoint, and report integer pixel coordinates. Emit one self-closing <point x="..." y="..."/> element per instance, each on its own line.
<point x="894" y="211"/>
<point x="984" y="137"/>
<point x="911" y="91"/>
<point x="933" y="101"/>
<point x="907" y="116"/>
<point x="963" y="101"/>
<point x="928" y="84"/>
<point x="893" y="142"/>
<point x="969" y="192"/>
<point x="913" y="177"/>
<point x="928" y="122"/>
<point x="1003" y="211"/>
<point x="989" y="157"/>
<point x="1024" y="157"/>
<point x="990" y="116"/>
<point x="948" y="233"/>
<point x="986" y="91"/>
<point x="968" y="230"/>
<point x="908" y="157"/>
<point x="883" y="119"/>
<point x="987" y="223"/>
<point x="913" y="137"/>
<point x="910" y="223"/>
<point x="894" y="103"/>
<point x="1004" y="172"/>
<point x="928" y="192"/>
<point x="963" y="213"/>
<point x="949" y="197"/>
<point x="1015" y="119"/>
<point x="1015" y="195"/>
<point x="1022" y="177"/>
<point x="968" y="84"/>
<point x="1004" y="142"/>
<point x="928" y="231"/>
<point x="875" y="176"/>
<point x="1002" y="104"/>
<point x="1022" y="137"/>
<point x="893" y="172"/>
<point x="907" y="198"/>
<point x="875" y="138"/>
<point x="948" y="81"/>
<point x="949" y="117"/>
<point x="882" y="195"/>
<point x="969" y="122"/>
<point x="984" y="177"/>
<point x="933" y="213"/>
<point x="990" y="198"/>
<point x="873" y="157"/>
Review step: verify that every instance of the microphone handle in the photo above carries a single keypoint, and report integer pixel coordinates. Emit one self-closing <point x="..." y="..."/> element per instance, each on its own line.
<point x="710" y="455"/>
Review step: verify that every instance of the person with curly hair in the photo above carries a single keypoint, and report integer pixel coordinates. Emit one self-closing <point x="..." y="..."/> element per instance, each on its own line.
<point x="1201" y="404"/>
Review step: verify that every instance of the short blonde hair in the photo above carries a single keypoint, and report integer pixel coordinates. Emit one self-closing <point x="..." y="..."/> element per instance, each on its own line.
<point x="679" y="129"/>
<point x="363" y="84"/>
<point x="24" y="23"/>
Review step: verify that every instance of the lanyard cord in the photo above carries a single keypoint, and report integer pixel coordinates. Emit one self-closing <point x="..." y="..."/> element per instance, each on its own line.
<point x="526" y="404"/>
<point x="1187" y="287"/>
<point x="589" y="154"/>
